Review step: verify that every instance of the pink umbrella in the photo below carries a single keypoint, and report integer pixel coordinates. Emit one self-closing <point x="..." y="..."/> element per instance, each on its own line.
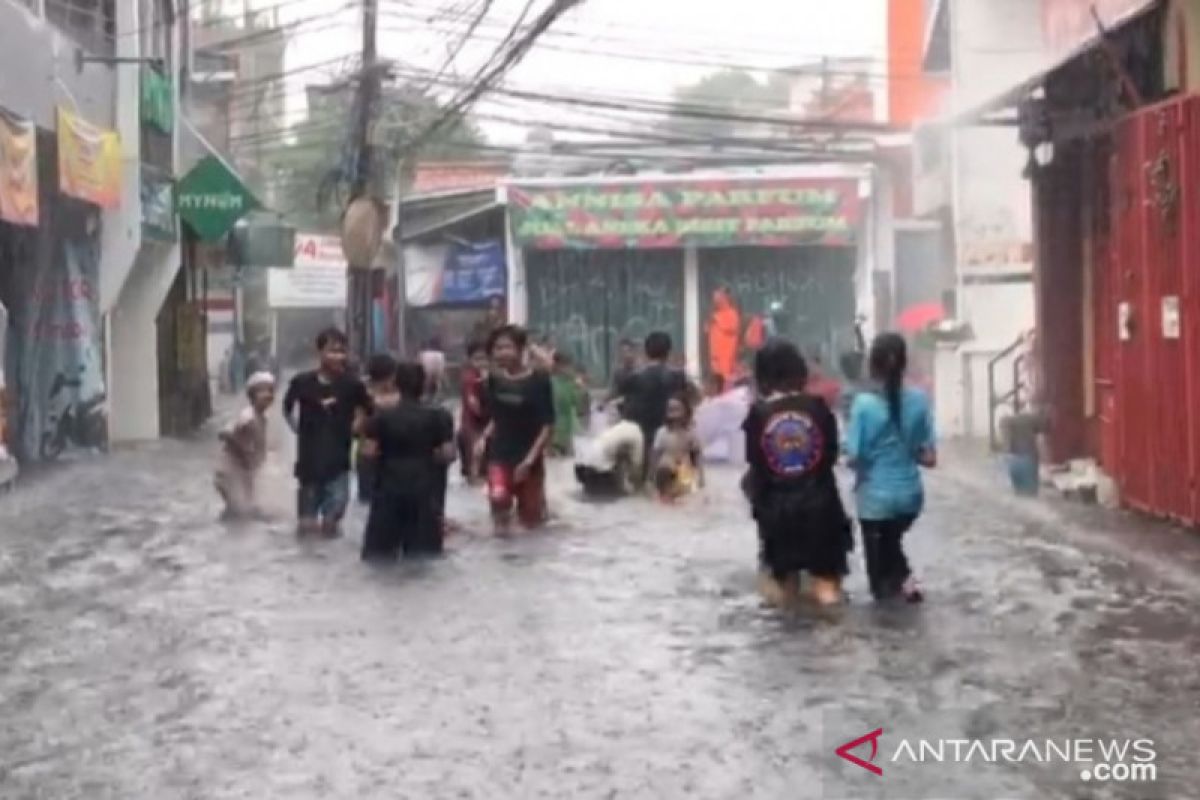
<point x="919" y="317"/>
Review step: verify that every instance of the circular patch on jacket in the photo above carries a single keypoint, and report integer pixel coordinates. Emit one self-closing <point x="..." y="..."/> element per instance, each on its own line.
<point x="792" y="443"/>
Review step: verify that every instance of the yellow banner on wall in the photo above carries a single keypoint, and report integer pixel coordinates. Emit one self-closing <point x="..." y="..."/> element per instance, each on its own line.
<point x="18" y="170"/>
<point x="89" y="161"/>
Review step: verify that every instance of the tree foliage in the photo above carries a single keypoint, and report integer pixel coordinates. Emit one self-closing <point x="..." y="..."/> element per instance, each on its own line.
<point x="310" y="172"/>
<point x="732" y="91"/>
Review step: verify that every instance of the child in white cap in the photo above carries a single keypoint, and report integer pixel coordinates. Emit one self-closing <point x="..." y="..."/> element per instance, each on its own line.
<point x="244" y="449"/>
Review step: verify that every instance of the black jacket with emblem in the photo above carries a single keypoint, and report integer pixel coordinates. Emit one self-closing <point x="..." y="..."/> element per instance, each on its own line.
<point x="792" y="447"/>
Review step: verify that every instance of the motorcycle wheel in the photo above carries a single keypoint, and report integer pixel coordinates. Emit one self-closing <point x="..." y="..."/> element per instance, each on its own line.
<point x="96" y="433"/>
<point x="52" y="446"/>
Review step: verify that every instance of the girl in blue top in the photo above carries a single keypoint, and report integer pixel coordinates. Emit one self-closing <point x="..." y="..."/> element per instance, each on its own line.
<point x="889" y="439"/>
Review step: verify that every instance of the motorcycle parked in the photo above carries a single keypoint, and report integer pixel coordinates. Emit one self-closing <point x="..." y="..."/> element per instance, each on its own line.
<point x="83" y="423"/>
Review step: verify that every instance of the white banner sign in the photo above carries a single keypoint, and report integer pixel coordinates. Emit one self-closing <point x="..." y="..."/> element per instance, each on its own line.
<point x="309" y="286"/>
<point x="318" y="279"/>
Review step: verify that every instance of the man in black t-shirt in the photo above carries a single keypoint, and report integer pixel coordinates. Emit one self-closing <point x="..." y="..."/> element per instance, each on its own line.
<point x="646" y="392"/>
<point x="627" y="364"/>
<point x="324" y="407"/>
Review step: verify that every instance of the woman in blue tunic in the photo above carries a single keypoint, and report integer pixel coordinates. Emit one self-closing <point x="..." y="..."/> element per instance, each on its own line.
<point x="890" y="438"/>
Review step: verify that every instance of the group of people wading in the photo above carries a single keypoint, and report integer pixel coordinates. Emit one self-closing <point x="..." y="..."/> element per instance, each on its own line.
<point x="507" y="430"/>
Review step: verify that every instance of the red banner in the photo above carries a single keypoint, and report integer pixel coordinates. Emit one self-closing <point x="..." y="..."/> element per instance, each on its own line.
<point x="447" y="176"/>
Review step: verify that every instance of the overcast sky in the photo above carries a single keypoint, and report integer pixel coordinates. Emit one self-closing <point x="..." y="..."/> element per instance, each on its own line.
<point x="634" y="43"/>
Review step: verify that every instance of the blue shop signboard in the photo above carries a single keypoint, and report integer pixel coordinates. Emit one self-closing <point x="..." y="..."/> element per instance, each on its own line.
<point x="474" y="272"/>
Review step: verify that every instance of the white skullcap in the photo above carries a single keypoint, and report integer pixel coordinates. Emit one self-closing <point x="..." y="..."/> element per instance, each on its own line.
<point x="260" y="380"/>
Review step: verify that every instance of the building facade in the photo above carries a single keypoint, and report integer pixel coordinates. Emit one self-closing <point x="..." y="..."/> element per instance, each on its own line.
<point x="1110" y="121"/>
<point x="88" y="245"/>
<point x="969" y="247"/>
<point x="720" y="261"/>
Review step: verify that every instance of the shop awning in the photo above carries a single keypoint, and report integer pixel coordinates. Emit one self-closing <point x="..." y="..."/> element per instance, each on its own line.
<point x="1076" y="34"/>
<point x="424" y="215"/>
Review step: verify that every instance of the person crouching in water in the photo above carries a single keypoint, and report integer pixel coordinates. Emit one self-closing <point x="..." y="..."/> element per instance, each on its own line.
<point x="792" y="448"/>
<point x="244" y="450"/>
<point x="381" y="386"/>
<point x="677" y="456"/>
<point x="411" y="448"/>
<point x="890" y="438"/>
<point x="614" y="464"/>
<point x="520" y="402"/>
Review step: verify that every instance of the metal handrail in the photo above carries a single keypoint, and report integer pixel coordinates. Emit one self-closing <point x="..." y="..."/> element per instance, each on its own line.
<point x="1013" y="395"/>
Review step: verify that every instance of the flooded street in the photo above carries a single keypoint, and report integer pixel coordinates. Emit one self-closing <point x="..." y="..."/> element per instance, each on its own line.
<point x="148" y="652"/>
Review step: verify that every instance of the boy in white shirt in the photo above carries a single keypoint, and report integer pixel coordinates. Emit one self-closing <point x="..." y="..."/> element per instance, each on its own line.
<point x="244" y="449"/>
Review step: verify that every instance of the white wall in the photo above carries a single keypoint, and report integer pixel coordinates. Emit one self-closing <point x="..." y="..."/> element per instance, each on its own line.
<point x="121" y="233"/>
<point x="135" y="274"/>
<point x="995" y="46"/>
<point x="37" y="72"/>
<point x="877" y="248"/>
<point x="133" y="343"/>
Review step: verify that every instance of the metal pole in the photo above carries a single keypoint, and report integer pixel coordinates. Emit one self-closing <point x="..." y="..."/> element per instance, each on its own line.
<point x="401" y="280"/>
<point x="360" y="295"/>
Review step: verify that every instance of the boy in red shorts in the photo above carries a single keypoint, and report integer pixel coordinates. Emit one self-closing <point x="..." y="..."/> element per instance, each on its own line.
<point x="520" y="404"/>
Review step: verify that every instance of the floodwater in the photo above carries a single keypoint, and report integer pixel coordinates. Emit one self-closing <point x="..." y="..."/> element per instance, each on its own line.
<point x="148" y="652"/>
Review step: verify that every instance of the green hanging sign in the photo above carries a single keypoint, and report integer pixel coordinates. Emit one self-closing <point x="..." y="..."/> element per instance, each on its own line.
<point x="211" y="199"/>
<point x="158" y="102"/>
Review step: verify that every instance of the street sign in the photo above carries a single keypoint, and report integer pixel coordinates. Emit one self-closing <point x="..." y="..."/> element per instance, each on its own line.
<point x="211" y="198"/>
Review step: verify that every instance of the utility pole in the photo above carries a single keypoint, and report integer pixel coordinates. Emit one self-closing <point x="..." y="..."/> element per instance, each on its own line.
<point x="369" y="91"/>
<point x="360" y="279"/>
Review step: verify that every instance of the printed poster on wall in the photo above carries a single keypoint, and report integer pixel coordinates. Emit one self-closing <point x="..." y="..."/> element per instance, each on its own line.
<point x="18" y="170"/>
<point x="57" y="341"/>
<point x="158" y="204"/>
<point x="780" y="212"/>
<point x="473" y="273"/>
<point x="89" y="161"/>
<point x="459" y="273"/>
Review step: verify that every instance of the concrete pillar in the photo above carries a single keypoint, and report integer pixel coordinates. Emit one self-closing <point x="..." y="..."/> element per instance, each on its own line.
<point x="135" y="274"/>
<point x="518" y="286"/>
<point x="691" y="311"/>
<point x="121" y="232"/>
<point x="133" y="345"/>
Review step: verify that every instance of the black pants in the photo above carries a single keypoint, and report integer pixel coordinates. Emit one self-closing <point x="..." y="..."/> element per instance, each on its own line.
<point x="883" y="546"/>
<point x="401" y="523"/>
<point x="598" y="484"/>
<point x="365" y="469"/>
<point x="441" y="485"/>
<point x="466" y="454"/>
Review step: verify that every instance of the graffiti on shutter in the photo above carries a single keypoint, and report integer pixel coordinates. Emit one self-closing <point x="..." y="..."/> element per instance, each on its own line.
<point x="805" y="294"/>
<point x="587" y="301"/>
